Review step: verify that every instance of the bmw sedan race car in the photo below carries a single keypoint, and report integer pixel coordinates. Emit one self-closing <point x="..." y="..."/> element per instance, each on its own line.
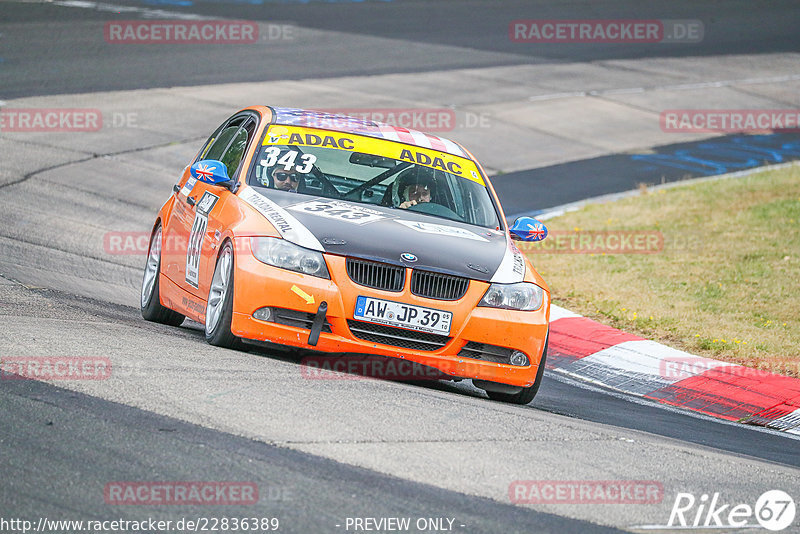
<point x="348" y="236"/>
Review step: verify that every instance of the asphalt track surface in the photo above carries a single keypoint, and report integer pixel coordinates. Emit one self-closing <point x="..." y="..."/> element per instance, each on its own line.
<point x="306" y="493"/>
<point x="61" y="55"/>
<point x="59" y="447"/>
<point x="555" y="185"/>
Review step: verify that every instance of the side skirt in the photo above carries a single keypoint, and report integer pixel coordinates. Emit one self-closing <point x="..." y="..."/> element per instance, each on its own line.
<point x="176" y="298"/>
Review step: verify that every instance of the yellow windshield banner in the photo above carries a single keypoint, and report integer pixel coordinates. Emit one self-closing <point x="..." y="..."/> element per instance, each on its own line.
<point x="278" y="134"/>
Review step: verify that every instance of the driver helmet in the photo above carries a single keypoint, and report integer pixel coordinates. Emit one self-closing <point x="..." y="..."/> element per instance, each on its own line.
<point x="419" y="178"/>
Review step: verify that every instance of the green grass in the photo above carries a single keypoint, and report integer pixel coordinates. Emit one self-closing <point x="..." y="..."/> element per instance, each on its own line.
<point x="726" y="284"/>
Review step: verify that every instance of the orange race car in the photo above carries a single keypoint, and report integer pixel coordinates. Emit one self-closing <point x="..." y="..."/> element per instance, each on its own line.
<point x="343" y="235"/>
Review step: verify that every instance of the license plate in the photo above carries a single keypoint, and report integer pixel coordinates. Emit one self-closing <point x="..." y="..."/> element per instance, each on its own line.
<point x="407" y="316"/>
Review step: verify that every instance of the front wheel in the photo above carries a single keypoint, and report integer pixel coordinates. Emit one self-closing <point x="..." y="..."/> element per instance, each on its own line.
<point x="527" y="394"/>
<point x="219" y="310"/>
<point x="151" y="307"/>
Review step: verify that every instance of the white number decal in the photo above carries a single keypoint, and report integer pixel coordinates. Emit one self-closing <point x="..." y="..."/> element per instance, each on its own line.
<point x="340" y="210"/>
<point x="308" y="163"/>
<point x="272" y="156"/>
<point x="195" y="248"/>
<point x="288" y="160"/>
<point x="196" y="237"/>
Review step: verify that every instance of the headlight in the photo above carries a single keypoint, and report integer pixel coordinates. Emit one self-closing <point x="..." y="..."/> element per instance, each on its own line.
<point x="281" y="253"/>
<point x="522" y="296"/>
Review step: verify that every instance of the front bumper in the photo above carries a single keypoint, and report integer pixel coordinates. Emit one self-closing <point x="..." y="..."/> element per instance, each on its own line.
<point x="258" y="285"/>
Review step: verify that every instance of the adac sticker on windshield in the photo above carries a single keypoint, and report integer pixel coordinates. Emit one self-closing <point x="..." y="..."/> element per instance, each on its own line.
<point x="279" y="134"/>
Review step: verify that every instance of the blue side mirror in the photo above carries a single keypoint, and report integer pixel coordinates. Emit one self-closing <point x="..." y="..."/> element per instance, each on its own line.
<point x="528" y="229"/>
<point x="210" y="171"/>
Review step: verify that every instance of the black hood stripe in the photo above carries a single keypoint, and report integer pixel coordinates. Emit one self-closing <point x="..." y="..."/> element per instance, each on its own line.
<point x="383" y="234"/>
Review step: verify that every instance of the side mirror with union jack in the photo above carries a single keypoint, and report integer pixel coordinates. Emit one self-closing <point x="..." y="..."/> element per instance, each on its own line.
<point x="210" y="171"/>
<point x="528" y="229"/>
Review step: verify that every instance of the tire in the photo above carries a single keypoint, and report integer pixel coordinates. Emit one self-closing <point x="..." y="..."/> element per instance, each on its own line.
<point x="150" y="301"/>
<point x="527" y="394"/>
<point x="219" y="307"/>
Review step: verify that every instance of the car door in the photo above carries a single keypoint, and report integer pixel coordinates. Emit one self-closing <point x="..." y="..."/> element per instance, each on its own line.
<point x="175" y="236"/>
<point x="193" y="220"/>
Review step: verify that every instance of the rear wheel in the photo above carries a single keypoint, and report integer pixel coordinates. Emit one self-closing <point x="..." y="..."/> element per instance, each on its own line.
<point x="151" y="307"/>
<point x="219" y="310"/>
<point x="527" y="394"/>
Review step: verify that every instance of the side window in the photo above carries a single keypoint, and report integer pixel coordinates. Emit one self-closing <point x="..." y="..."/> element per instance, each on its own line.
<point x="233" y="156"/>
<point x="221" y="143"/>
<point x="229" y="142"/>
<point x="459" y="205"/>
<point x="208" y="145"/>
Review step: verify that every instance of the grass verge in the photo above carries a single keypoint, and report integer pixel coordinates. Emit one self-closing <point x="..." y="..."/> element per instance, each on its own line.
<point x="711" y="268"/>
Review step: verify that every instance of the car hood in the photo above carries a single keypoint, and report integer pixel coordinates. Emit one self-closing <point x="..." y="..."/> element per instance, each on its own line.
<point x="389" y="235"/>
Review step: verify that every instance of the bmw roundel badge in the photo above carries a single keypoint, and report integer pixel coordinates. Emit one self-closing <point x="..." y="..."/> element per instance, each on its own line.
<point x="407" y="256"/>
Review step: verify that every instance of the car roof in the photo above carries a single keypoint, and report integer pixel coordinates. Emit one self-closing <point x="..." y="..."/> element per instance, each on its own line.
<point x="353" y="125"/>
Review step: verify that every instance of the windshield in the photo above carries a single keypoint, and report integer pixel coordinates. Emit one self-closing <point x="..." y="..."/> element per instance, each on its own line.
<point x="372" y="171"/>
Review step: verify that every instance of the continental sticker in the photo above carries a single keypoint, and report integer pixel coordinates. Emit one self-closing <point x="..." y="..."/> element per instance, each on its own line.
<point x="294" y="135"/>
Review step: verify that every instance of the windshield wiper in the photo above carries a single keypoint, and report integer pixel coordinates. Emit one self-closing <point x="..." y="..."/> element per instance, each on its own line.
<point x="378" y="179"/>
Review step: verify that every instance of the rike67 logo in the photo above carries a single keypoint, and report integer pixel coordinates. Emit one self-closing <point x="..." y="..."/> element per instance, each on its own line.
<point x="774" y="510"/>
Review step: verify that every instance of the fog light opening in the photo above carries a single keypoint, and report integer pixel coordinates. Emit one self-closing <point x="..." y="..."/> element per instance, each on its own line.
<point x="263" y="314"/>
<point x="518" y="358"/>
